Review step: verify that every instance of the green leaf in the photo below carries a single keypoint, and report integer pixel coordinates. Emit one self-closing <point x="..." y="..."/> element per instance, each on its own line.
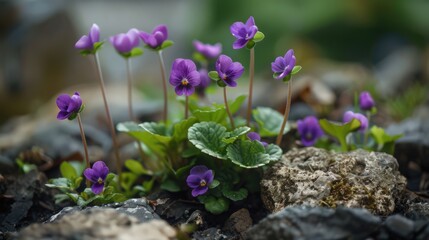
<point x="68" y="171"/>
<point x="97" y="45"/>
<point x="236" y="104"/>
<point x="216" y="112"/>
<point x="247" y="154"/>
<point x="207" y="136"/>
<point x="287" y="78"/>
<point x="166" y="44"/>
<point x="214" y="184"/>
<point x="385" y="142"/>
<point x="251" y="44"/>
<point x="180" y="129"/>
<point x="60" y="183"/>
<point x="137" y="51"/>
<point x="77" y="182"/>
<point x="269" y="121"/>
<point x="216" y="205"/>
<point x="235" y="195"/>
<point x="274" y="152"/>
<point x="232" y="136"/>
<point x="136" y="167"/>
<point x="198" y="57"/>
<point x="214" y="75"/>
<point x="296" y="69"/>
<point x="259" y="36"/>
<point x="339" y="130"/>
<point x="170" y="185"/>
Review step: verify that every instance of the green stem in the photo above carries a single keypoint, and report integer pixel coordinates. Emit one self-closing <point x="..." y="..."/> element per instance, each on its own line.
<point x="252" y="74"/>
<point x="186" y="106"/>
<point x="130" y="90"/>
<point x="109" y="118"/>
<point x="227" y="108"/>
<point x="368" y="116"/>
<point x="343" y="143"/>
<point x="286" y="114"/>
<point x="85" y="146"/>
<point x="164" y="86"/>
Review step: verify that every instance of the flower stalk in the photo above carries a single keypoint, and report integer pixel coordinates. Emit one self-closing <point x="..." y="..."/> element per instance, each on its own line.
<point x="164" y="85"/>
<point x="286" y="114"/>
<point x="85" y="146"/>
<point x="130" y="90"/>
<point x="227" y="108"/>
<point x="252" y="74"/>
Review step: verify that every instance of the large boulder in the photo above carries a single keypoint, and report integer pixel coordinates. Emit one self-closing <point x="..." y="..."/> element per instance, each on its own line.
<point x="316" y="177"/>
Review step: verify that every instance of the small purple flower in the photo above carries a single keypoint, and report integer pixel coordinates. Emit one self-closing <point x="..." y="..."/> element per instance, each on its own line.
<point x="283" y="66"/>
<point x="156" y="38"/>
<point x="349" y="115"/>
<point x="228" y="71"/>
<point x="97" y="175"/>
<point x="207" y="50"/>
<point x="86" y="42"/>
<point x="365" y="101"/>
<point x="309" y="130"/>
<point x="68" y="105"/>
<point x="243" y="32"/>
<point x="199" y="180"/>
<point x="205" y="79"/>
<point x="253" y="136"/>
<point x="184" y="76"/>
<point x="125" y="42"/>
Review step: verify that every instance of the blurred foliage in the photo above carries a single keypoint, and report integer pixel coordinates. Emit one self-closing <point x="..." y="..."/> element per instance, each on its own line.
<point x="403" y="105"/>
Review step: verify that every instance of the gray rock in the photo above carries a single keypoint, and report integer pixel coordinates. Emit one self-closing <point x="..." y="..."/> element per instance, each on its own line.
<point x="99" y="223"/>
<point x="316" y="177"/>
<point x="400" y="226"/>
<point x="239" y="221"/>
<point x="303" y="222"/>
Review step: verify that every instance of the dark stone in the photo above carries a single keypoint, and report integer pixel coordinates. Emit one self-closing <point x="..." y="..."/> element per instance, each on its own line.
<point x="239" y="221"/>
<point x="302" y="222"/>
<point x="399" y="226"/>
<point x="198" y="218"/>
<point x="209" y="234"/>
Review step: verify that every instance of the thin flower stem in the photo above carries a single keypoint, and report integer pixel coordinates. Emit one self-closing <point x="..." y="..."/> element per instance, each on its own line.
<point x="252" y="74"/>
<point x="130" y="90"/>
<point x="186" y="106"/>
<point x="227" y="108"/>
<point x="85" y="146"/>
<point x="164" y="86"/>
<point x="368" y="116"/>
<point x="286" y="115"/>
<point x="109" y="118"/>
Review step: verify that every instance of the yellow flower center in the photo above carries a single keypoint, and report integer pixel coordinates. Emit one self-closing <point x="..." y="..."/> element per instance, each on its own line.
<point x="100" y="180"/>
<point x="203" y="183"/>
<point x="185" y="82"/>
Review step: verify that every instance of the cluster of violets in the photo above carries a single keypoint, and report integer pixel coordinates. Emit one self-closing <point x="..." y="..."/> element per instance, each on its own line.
<point x="310" y="130"/>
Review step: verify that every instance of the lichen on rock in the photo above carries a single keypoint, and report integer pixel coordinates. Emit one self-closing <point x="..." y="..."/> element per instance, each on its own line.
<point x="316" y="177"/>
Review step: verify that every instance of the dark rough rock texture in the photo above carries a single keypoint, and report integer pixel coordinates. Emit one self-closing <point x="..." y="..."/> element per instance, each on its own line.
<point x="239" y="221"/>
<point x="316" y="177"/>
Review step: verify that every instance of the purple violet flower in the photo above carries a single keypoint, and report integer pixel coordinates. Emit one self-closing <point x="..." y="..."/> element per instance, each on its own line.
<point x="184" y="76"/>
<point x="205" y="79"/>
<point x="156" y="38"/>
<point x="207" y="50"/>
<point x="228" y="71"/>
<point x="365" y="101"/>
<point x="253" y="136"/>
<point x="243" y="32"/>
<point x="86" y="42"/>
<point x="97" y="175"/>
<point x="309" y="130"/>
<point x="125" y="42"/>
<point x="283" y="66"/>
<point x="68" y="105"/>
<point x="199" y="180"/>
<point x="349" y="115"/>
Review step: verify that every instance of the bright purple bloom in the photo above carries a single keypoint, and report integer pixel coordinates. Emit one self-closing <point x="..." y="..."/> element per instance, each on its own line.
<point x="253" y="136"/>
<point x="365" y="101"/>
<point x="207" y="50"/>
<point x="199" y="180"/>
<point x="86" y="42"/>
<point x="228" y="71"/>
<point x="349" y="115"/>
<point x="184" y="76"/>
<point x="125" y="42"/>
<point x="68" y="105"/>
<point x="156" y="38"/>
<point x="205" y="79"/>
<point x="97" y="175"/>
<point x="243" y="32"/>
<point x="309" y="130"/>
<point x="283" y="66"/>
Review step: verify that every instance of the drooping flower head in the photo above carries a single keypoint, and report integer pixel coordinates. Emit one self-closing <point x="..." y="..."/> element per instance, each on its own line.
<point x="365" y="101"/>
<point x="97" y="175"/>
<point x="87" y="42"/>
<point x="205" y="79"/>
<point x="349" y="115"/>
<point x="184" y="76"/>
<point x="253" y="136"/>
<point x="199" y="180"/>
<point x="69" y="106"/>
<point x="125" y="42"/>
<point x="155" y="39"/>
<point x="283" y="66"/>
<point x="207" y="50"/>
<point x="243" y="32"/>
<point x="309" y="130"/>
<point x="228" y="71"/>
